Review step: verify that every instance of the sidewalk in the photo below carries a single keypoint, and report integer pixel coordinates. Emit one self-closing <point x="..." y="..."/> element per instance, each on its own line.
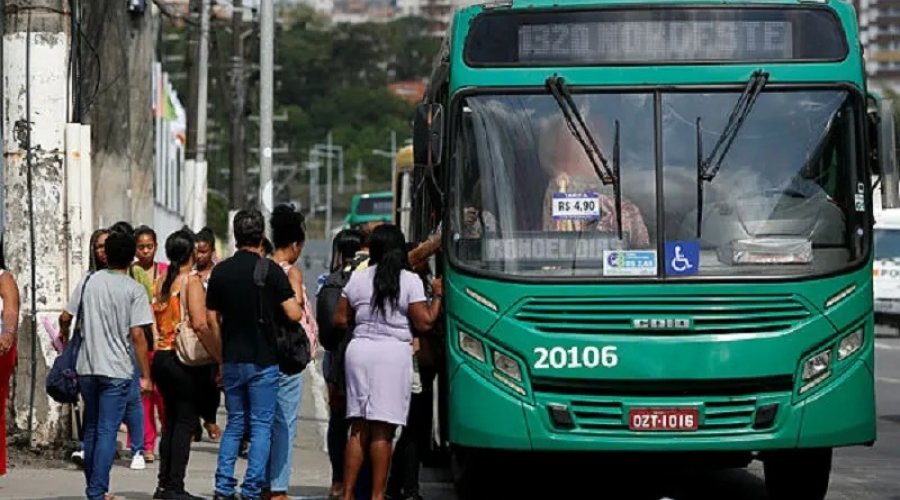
<point x="310" y="480"/>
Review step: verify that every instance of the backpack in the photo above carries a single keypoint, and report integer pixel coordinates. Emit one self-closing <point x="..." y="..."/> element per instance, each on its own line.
<point x="292" y="347"/>
<point x="326" y="304"/>
<point x="62" y="379"/>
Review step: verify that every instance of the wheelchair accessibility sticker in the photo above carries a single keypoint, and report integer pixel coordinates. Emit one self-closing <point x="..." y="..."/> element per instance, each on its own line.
<point x="682" y="258"/>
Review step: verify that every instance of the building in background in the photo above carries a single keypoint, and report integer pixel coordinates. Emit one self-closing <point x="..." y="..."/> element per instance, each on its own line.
<point x="879" y="27"/>
<point x="171" y="179"/>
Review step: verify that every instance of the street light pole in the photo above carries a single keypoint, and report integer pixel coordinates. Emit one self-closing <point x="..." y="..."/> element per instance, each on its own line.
<point x="359" y="176"/>
<point x="328" y="191"/>
<point x="202" y="82"/>
<point x="393" y="155"/>
<point x="266" y="98"/>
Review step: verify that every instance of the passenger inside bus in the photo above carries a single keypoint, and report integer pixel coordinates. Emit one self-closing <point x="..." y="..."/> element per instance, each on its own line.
<point x="475" y="219"/>
<point x="572" y="173"/>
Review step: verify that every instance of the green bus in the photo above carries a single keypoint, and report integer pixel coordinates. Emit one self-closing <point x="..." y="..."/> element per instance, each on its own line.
<point x="657" y="230"/>
<point x="370" y="207"/>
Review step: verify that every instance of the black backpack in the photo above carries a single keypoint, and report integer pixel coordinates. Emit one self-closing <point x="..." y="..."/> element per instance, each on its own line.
<point x="291" y="343"/>
<point x="326" y="304"/>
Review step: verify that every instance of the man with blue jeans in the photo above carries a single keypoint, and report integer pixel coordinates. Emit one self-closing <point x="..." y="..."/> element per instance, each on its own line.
<point x="250" y="375"/>
<point x="114" y="310"/>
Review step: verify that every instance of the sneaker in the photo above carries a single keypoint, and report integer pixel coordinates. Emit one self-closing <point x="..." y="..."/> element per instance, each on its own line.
<point x="162" y="494"/>
<point x="78" y="458"/>
<point x="137" y="462"/>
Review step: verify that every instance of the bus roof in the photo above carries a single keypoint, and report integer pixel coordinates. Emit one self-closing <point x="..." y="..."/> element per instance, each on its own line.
<point x="527" y="4"/>
<point x="849" y="69"/>
<point x="379" y="194"/>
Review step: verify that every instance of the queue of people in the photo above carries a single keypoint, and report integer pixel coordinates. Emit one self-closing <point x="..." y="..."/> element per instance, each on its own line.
<point x="161" y="340"/>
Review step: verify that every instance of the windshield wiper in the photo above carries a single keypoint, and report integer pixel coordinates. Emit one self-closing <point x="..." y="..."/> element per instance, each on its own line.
<point x="708" y="167"/>
<point x="580" y="131"/>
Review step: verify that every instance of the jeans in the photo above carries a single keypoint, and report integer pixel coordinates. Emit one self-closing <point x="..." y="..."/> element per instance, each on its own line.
<point x="104" y="408"/>
<point x="179" y="385"/>
<point x="284" y="429"/>
<point x="249" y="390"/>
<point x="134" y="416"/>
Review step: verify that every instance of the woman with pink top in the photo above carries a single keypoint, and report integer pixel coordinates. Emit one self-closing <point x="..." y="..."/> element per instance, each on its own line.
<point x="288" y="237"/>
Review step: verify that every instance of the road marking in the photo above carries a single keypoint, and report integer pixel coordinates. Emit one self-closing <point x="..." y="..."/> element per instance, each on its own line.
<point x="888" y="380"/>
<point x="887" y="347"/>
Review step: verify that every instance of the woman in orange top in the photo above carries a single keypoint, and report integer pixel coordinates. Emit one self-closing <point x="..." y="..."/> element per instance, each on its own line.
<point x="177" y="382"/>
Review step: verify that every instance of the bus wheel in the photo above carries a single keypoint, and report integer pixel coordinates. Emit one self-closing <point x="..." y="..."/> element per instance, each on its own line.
<point x="469" y="473"/>
<point x="798" y="474"/>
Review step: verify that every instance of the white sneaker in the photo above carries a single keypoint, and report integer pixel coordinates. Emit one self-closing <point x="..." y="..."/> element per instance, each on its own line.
<point x="137" y="462"/>
<point x="78" y="458"/>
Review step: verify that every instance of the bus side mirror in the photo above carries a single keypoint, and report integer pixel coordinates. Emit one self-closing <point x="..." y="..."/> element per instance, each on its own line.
<point x="873" y="124"/>
<point x="428" y="134"/>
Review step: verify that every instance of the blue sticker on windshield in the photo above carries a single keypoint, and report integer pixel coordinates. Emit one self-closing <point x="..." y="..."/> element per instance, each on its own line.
<point x="682" y="258"/>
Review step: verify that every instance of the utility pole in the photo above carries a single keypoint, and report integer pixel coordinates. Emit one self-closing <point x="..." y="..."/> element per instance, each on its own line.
<point x="195" y="169"/>
<point x="35" y="87"/>
<point x="238" y="194"/>
<point x="266" y="97"/>
<point x="193" y="69"/>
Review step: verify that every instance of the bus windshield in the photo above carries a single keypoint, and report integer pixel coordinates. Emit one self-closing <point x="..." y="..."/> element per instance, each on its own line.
<point x="887" y="244"/>
<point x="788" y="199"/>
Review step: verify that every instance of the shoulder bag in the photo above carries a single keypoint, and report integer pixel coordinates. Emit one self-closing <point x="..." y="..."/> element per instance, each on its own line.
<point x="188" y="348"/>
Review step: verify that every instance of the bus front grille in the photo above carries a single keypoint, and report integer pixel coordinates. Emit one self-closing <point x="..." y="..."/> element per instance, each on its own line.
<point x="715" y="415"/>
<point x="706" y="314"/>
<point x="725" y="406"/>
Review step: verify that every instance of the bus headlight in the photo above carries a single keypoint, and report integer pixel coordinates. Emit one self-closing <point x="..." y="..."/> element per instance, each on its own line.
<point x="471" y="346"/>
<point x="850" y="344"/>
<point x="507" y="366"/>
<point x="816" y="369"/>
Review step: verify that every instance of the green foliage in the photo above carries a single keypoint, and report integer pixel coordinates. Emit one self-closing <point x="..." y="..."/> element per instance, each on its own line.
<point x="217" y="214"/>
<point x="334" y="79"/>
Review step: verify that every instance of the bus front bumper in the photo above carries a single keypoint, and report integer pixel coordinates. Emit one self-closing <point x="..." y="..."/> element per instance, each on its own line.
<point x="485" y="415"/>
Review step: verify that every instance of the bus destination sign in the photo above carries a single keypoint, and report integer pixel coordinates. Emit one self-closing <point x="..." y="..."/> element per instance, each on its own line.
<point x="656" y="41"/>
<point x="655" y="35"/>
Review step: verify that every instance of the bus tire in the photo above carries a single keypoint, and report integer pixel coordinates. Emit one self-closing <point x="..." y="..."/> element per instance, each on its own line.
<point x="469" y="472"/>
<point x="801" y="474"/>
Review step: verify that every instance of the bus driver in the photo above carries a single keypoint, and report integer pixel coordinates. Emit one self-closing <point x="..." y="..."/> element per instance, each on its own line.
<point x="571" y="172"/>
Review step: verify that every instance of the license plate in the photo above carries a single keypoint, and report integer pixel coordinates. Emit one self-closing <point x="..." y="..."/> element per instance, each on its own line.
<point x="663" y="419"/>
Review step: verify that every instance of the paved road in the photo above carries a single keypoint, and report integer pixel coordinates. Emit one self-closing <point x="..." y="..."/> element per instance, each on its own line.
<point x="859" y="473"/>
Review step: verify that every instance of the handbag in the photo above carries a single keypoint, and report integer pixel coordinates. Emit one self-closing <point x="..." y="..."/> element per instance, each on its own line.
<point x="188" y="348"/>
<point x="62" y="379"/>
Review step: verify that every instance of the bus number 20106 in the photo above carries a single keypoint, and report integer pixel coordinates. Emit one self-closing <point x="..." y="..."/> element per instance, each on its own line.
<point x="573" y="357"/>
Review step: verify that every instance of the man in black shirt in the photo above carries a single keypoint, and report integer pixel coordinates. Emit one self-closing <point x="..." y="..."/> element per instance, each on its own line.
<point x="250" y="366"/>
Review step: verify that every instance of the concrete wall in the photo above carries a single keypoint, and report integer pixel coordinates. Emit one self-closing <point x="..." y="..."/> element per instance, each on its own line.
<point x="35" y="237"/>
